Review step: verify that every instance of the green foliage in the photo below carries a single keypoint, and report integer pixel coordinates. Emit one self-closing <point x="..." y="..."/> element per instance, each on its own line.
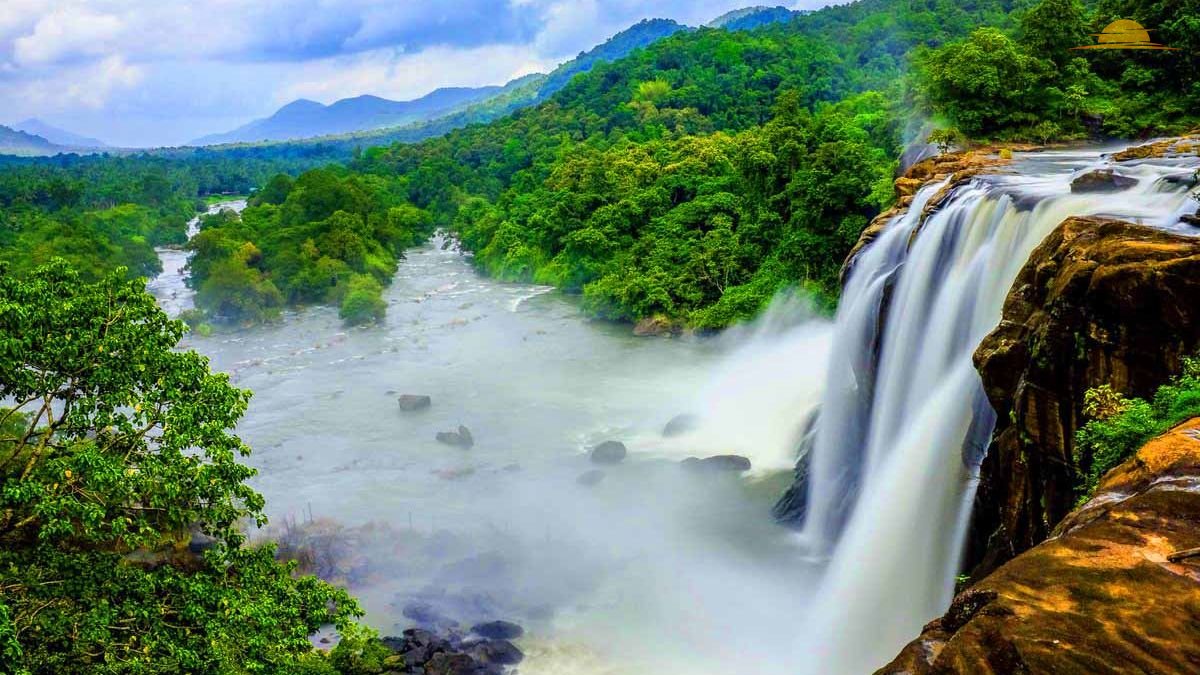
<point x="329" y="236"/>
<point x="946" y="139"/>
<point x="1121" y="426"/>
<point x="1035" y="87"/>
<point x="119" y="453"/>
<point x="363" y="302"/>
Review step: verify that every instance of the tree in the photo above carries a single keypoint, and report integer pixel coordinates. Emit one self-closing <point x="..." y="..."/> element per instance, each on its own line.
<point x="118" y="465"/>
<point x="1052" y="27"/>
<point x="985" y="84"/>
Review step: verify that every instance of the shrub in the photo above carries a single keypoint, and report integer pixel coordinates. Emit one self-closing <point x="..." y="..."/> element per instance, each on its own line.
<point x="363" y="302"/>
<point x="1120" y="426"/>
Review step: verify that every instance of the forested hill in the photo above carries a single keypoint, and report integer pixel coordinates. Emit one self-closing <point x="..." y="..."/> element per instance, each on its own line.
<point x="696" y="177"/>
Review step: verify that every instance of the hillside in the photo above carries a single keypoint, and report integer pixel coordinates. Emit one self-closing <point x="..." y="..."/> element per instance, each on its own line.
<point x="56" y="135"/>
<point x="307" y="119"/>
<point x="13" y="142"/>
<point x="749" y="18"/>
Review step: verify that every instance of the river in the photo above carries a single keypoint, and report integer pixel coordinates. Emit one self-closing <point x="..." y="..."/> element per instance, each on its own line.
<point x="654" y="569"/>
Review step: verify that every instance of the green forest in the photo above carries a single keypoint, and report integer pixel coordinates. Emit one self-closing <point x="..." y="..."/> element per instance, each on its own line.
<point x="689" y="182"/>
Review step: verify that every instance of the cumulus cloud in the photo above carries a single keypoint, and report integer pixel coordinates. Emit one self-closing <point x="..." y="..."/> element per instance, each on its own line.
<point x="149" y="71"/>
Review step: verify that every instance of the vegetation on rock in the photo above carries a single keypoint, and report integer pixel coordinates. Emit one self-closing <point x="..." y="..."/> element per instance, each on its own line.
<point x="1119" y="425"/>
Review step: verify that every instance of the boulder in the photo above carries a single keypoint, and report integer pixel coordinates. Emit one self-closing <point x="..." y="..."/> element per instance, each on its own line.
<point x="1116" y="590"/>
<point x="414" y="402"/>
<point x="447" y="663"/>
<point x="497" y="652"/>
<point x="652" y="326"/>
<point x="1100" y="302"/>
<point x="718" y="464"/>
<point x="459" y="439"/>
<point x="1102" y="180"/>
<point x="498" y="630"/>
<point x="608" y="452"/>
<point x="792" y="507"/>
<point x="590" y="478"/>
<point x="680" y="424"/>
<point x="1192" y="219"/>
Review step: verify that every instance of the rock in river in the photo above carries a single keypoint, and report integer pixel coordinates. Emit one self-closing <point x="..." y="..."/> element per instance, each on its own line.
<point x="609" y="452"/>
<point x="717" y="464"/>
<point x="498" y="630"/>
<point x="413" y="402"/>
<point x="459" y="439"/>
<point x="1102" y="180"/>
<point x="590" y="478"/>
<point x="680" y="424"/>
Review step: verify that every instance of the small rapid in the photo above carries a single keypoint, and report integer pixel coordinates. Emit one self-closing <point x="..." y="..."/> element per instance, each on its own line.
<point x="170" y="287"/>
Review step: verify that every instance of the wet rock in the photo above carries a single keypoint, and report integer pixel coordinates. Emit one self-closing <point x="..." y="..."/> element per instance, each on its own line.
<point x="1102" y="180"/>
<point x="1191" y="219"/>
<point x="680" y="424"/>
<point x="792" y="507"/>
<point x="653" y="326"/>
<point x="414" y="402"/>
<point x="717" y="464"/>
<point x="497" y="652"/>
<point x="590" y="478"/>
<point x="424" y="615"/>
<point x="498" y="630"/>
<point x="1099" y="302"/>
<point x="459" y="439"/>
<point x="608" y="452"/>
<point x="445" y="663"/>
<point x="1105" y="596"/>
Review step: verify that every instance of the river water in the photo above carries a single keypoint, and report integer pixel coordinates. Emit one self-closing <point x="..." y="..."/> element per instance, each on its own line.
<point x="654" y="569"/>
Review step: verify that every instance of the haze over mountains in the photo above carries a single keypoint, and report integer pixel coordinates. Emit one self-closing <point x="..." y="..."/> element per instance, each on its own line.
<point x="372" y="120"/>
<point x="451" y="107"/>
<point x="56" y="135"/>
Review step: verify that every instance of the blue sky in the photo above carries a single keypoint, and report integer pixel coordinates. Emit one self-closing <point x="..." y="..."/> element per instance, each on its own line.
<point x="154" y="72"/>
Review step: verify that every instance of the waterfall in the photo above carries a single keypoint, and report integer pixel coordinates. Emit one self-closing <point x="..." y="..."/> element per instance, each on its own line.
<point x="904" y="421"/>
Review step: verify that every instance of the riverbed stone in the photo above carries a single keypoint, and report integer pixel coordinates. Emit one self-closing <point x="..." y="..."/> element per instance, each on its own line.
<point x="497" y="652"/>
<point x="461" y="438"/>
<point x="498" y="630"/>
<point x="681" y="424"/>
<point x="414" y="402"/>
<point x="590" y="478"/>
<point x="609" y="452"/>
<point x="718" y="464"/>
<point x="1102" y="180"/>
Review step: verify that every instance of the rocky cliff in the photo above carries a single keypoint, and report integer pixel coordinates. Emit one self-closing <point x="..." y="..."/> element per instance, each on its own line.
<point x="1099" y="302"/>
<point x="1116" y="589"/>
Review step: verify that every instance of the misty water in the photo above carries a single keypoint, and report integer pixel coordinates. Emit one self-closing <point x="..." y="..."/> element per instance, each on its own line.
<point x="656" y="568"/>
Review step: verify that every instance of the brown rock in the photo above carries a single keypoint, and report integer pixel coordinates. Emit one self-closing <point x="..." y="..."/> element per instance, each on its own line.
<point x="1186" y="145"/>
<point x="1101" y="597"/>
<point x="652" y="326"/>
<point x="963" y="166"/>
<point x="1099" y="302"/>
<point x="1101" y="180"/>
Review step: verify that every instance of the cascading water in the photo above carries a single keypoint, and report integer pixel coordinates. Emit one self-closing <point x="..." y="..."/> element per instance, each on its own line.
<point x="904" y="421"/>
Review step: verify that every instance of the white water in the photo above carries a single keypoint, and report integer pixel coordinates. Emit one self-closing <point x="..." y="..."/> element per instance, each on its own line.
<point x="904" y="420"/>
<point x="170" y="286"/>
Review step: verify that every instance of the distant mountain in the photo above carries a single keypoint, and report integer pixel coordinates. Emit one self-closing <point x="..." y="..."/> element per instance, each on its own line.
<point x="641" y="34"/>
<point x="13" y="142"/>
<point x="56" y="135"/>
<point x="307" y="119"/>
<point x="749" y="18"/>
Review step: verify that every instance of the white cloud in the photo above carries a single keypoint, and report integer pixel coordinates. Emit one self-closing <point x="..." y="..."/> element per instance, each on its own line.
<point x="164" y="71"/>
<point x="65" y="35"/>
